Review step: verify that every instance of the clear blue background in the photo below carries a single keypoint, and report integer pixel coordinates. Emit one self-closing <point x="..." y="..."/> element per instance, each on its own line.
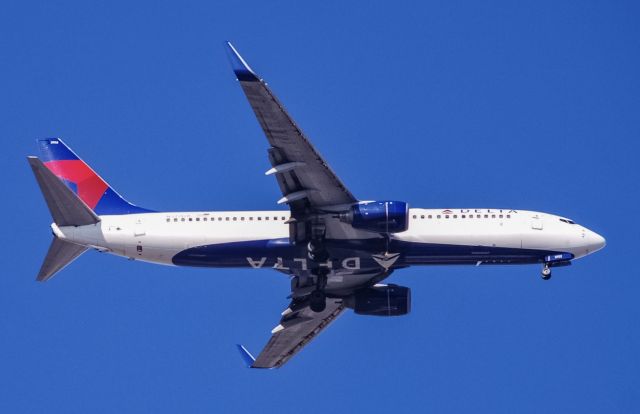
<point x="443" y="104"/>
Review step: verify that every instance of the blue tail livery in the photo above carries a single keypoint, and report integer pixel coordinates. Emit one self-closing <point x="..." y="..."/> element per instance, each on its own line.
<point x="82" y="180"/>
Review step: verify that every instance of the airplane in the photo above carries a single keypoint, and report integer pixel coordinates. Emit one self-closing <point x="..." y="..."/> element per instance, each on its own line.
<point x="335" y="248"/>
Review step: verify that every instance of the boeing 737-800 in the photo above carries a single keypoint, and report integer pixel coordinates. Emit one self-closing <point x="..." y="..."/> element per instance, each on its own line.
<point x="335" y="248"/>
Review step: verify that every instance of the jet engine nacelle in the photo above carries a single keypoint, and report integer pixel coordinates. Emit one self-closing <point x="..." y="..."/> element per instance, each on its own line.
<point x="381" y="300"/>
<point x="378" y="216"/>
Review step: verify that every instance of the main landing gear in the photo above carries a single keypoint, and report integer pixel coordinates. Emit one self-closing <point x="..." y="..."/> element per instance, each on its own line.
<point x="546" y="272"/>
<point x="318" y="254"/>
<point x="317" y="300"/>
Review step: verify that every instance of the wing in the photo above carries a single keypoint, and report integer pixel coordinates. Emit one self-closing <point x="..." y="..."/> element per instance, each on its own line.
<point x="313" y="192"/>
<point x="298" y="326"/>
<point x="305" y="179"/>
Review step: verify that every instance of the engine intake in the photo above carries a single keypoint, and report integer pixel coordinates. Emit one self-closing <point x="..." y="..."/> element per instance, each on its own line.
<point x="378" y="216"/>
<point x="381" y="300"/>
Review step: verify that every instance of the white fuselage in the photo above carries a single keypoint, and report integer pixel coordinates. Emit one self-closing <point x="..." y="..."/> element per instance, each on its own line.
<point x="158" y="237"/>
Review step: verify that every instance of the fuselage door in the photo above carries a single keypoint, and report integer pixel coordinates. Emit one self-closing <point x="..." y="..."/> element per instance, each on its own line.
<point x="536" y="223"/>
<point x="138" y="228"/>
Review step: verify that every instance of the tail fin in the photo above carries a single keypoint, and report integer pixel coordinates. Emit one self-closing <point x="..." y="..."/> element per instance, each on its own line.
<point x="66" y="208"/>
<point x="60" y="254"/>
<point x="82" y="180"/>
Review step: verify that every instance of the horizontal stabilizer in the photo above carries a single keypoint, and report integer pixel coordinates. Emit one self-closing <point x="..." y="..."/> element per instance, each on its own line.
<point x="60" y="254"/>
<point x="66" y="208"/>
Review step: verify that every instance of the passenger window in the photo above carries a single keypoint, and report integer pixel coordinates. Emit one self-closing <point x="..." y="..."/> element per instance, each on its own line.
<point x="455" y="216"/>
<point x="438" y="216"/>
<point x="508" y="215"/>
<point x="493" y="216"/>
<point x="197" y="218"/>
<point x="275" y="218"/>
<point x="241" y="218"/>
<point x="486" y="216"/>
<point x="259" y="218"/>
<point x="422" y="216"/>
<point x="219" y="218"/>
<point x="429" y="216"/>
<point x="175" y="219"/>
<point x="415" y="217"/>
<point x="500" y="216"/>
<point x="226" y="218"/>
<point x="235" y="219"/>
<point x="250" y="218"/>
<point x="182" y="219"/>
<point x="283" y="219"/>
<point x="446" y="216"/>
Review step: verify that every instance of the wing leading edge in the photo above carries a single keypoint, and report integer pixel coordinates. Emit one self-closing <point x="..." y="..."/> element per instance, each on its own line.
<point x="298" y="326"/>
<point x="305" y="179"/>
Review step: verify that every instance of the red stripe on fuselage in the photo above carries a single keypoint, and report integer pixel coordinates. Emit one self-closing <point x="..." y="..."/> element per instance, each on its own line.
<point x="90" y="186"/>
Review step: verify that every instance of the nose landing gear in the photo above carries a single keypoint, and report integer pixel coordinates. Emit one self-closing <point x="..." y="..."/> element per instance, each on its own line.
<point x="555" y="260"/>
<point x="546" y="272"/>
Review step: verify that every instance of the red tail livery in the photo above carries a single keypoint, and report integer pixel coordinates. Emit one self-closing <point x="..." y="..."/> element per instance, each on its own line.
<point x="82" y="180"/>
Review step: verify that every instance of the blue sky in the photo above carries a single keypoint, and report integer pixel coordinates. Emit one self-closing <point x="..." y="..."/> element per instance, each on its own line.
<point x="442" y="104"/>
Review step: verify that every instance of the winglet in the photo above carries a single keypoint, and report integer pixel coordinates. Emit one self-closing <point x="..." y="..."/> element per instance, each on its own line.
<point x="246" y="356"/>
<point x="241" y="68"/>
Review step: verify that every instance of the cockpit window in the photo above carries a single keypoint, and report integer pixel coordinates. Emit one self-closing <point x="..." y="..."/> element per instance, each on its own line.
<point x="567" y="221"/>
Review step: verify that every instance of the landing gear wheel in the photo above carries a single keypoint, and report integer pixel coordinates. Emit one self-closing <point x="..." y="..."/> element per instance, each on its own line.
<point x="317" y="252"/>
<point x="546" y="272"/>
<point x="317" y="301"/>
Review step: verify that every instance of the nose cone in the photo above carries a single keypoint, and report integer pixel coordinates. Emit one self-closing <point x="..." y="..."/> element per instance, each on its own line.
<point x="596" y="241"/>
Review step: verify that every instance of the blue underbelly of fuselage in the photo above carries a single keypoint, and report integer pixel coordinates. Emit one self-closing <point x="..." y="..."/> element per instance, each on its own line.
<point x="351" y="254"/>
